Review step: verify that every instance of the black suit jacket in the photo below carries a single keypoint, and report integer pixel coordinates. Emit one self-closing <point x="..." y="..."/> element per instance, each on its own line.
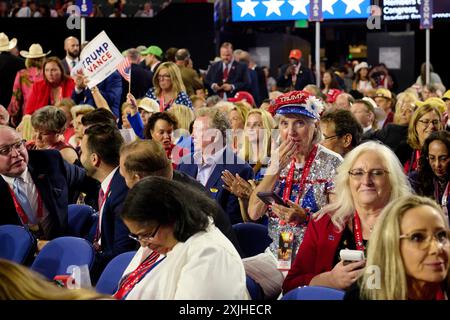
<point x="114" y="233"/>
<point x="304" y="77"/>
<point x="224" y="198"/>
<point x="56" y="180"/>
<point x="9" y="65"/>
<point x="141" y="82"/>
<point x="237" y="76"/>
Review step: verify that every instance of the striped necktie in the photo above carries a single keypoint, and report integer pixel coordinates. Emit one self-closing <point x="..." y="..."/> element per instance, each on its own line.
<point x="23" y="200"/>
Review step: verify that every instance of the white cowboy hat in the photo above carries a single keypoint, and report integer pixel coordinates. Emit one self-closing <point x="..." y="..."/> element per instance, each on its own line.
<point x="5" y="44"/>
<point x="34" y="52"/>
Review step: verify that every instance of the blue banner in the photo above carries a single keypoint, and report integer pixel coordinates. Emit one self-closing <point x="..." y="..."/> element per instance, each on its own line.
<point x="315" y="10"/>
<point x="276" y="10"/>
<point x="85" y="7"/>
<point x="426" y="14"/>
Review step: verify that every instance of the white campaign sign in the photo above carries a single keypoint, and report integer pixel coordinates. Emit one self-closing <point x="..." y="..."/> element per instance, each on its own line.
<point x="98" y="59"/>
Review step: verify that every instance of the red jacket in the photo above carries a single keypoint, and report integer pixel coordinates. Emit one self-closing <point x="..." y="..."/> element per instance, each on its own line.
<point x="316" y="253"/>
<point x="40" y="94"/>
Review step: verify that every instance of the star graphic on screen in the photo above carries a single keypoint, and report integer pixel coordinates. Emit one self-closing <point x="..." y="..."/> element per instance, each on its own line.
<point x="248" y="7"/>
<point x="352" y="5"/>
<point x="299" y="6"/>
<point x="273" y="6"/>
<point x="327" y="5"/>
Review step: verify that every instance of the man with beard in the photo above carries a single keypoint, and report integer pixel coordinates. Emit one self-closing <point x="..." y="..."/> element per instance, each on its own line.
<point x="72" y="47"/>
<point x="100" y="156"/>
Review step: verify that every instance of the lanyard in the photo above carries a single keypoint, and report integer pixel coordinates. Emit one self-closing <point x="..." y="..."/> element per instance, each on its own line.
<point x="23" y="216"/>
<point x="305" y="173"/>
<point x="137" y="275"/>
<point x="357" y="232"/>
<point x="412" y="164"/>
<point x="444" y="199"/>
<point x="162" y="105"/>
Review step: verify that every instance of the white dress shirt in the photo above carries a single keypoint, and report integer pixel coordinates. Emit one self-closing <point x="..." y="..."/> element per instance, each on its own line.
<point x="105" y="184"/>
<point x="207" y="164"/>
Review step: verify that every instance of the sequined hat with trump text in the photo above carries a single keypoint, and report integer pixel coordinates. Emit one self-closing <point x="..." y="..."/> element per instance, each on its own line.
<point x="297" y="102"/>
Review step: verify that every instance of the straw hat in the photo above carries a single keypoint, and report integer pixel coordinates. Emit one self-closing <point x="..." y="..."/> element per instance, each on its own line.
<point x="34" y="52"/>
<point x="5" y="44"/>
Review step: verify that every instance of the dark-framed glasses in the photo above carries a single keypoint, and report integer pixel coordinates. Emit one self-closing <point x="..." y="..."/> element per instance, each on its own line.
<point x="427" y="122"/>
<point x="146" y="237"/>
<point x="6" y="150"/>
<point x="422" y="240"/>
<point x="358" y="174"/>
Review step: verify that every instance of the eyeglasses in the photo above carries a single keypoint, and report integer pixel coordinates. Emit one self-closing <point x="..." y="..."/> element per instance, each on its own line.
<point x="422" y="240"/>
<point x="435" y="122"/>
<point x="6" y="150"/>
<point x="163" y="76"/>
<point x="145" y="238"/>
<point x="358" y="174"/>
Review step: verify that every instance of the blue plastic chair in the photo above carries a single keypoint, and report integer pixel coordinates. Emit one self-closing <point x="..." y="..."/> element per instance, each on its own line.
<point x="255" y="290"/>
<point x="110" y="277"/>
<point x="314" y="293"/>
<point x="60" y="253"/>
<point x="80" y="219"/>
<point x="16" y="243"/>
<point x="253" y="238"/>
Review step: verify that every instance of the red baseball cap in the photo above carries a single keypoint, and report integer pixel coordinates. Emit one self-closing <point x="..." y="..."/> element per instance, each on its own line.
<point x="295" y="54"/>
<point x="332" y="94"/>
<point x="243" y="95"/>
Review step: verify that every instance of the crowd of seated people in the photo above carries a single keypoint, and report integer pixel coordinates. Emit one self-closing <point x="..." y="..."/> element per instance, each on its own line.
<point x="169" y="176"/>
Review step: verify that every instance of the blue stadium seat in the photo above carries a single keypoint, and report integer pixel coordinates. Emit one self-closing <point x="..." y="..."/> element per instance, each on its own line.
<point x="255" y="290"/>
<point x="16" y="243"/>
<point x="314" y="293"/>
<point x="60" y="253"/>
<point x="109" y="279"/>
<point x="253" y="238"/>
<point x="80" y="220"/>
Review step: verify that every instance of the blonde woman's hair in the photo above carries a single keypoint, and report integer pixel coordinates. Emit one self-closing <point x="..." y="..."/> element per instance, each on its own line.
<point x="242" y="109"/>
<point x="81" y="109"/>
<point x="268" y="125"/>
<point x="343" y="207"/>
<point x="413" y="137"/>
<point x="17" y="282"/>
<point x="402" y="98"/>
<point x="384" y="251"/>
<point x="183" y="114"/>
<point x="175" y="77"/>
<point x="34" y="62"/>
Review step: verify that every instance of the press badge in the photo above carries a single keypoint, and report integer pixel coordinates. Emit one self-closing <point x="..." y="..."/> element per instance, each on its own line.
<point x="285" y="250"/>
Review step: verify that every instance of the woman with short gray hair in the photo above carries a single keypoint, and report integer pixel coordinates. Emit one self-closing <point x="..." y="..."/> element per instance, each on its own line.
<point x="49" y="124"/>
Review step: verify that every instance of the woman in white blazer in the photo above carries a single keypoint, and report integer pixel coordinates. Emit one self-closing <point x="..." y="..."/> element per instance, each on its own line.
<point x="182" y="255"/>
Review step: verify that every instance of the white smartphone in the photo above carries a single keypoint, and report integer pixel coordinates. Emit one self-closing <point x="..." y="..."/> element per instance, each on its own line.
<point x="349" y="256"/>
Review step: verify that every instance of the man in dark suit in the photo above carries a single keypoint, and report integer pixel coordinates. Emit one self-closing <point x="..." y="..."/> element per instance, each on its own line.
<point x="72" y="48"/>
<point x="294" y="76"/>
<point x="35" y="187"/>
<point x="9" y="65"/>
<point x="100" y="157"/>
<point x="228" y="76"/>
<point x="141" y="78"/>
<point x="211" y="157"/>
<point x="143" y="158"/>
<point x="110" y="89"/>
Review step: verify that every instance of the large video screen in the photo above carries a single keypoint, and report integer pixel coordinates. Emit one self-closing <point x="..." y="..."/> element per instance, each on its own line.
<point x="395" y="10"/>
<point x="277" y="10"/>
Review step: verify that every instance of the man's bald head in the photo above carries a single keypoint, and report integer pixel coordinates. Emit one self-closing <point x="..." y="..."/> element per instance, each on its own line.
<point x="72" y="47"/>
<point x="13" y="154"/>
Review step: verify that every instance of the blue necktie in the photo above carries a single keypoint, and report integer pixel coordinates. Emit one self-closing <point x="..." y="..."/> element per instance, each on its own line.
<point x="23" y="200"/>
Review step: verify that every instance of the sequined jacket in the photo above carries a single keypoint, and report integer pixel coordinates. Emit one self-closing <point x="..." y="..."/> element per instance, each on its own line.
<point x="319" y="184"/>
